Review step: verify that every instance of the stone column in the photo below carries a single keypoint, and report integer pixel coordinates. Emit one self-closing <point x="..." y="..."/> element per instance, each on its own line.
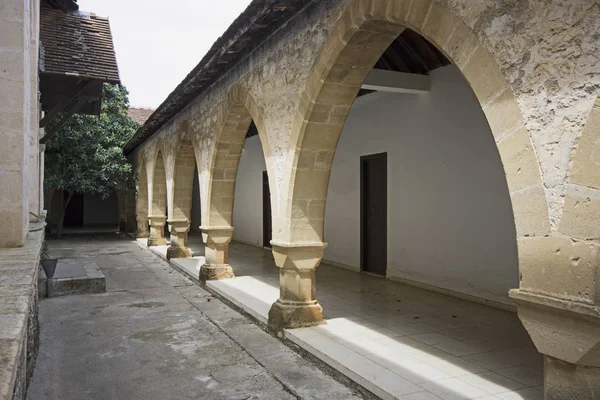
<point x="179" y="229"/>
<point x="142" y="225"/>
<point x="216" y="253"/>
<point x="558" y="301"/>
<point x="157" y="228"/>
<point x="297" y="305"/>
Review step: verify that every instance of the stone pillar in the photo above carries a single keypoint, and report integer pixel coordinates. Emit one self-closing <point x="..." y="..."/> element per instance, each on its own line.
<point x="157" y="229"/>
<point x="179" y="229"/>
<point x="15" y="114"/>
<point x="216" y="253"/>
<point x="297" y="305"/>
<point x="563" y="380"/>
<point x="558" y="301"/>
<point x="142" y="225"/>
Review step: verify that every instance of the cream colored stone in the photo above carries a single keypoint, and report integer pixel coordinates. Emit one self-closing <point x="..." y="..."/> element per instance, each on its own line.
<point x="461" y="44"/>
<point x="297" y="305"/>
<point x="586" y="161"/>
<point x="439" y="25"/>
<point x="581" y="214"/>
<point x="560" y="267"/>
<point x="419" y="10"/>
<point x="503" y="114"/>
<point x="561" y="329"/>
<point x="484" y="75"/>
<point x="531" y="211"/>
<point x="518" y="157"/>
<point x="570" y="381"/>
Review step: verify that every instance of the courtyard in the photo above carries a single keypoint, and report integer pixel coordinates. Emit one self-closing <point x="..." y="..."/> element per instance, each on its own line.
<point x="157" y="334"/>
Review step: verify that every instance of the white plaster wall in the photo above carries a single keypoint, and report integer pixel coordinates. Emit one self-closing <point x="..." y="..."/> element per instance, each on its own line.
<point x="450" y="221"/>
<point x="247" y="206"/>
<point x="196" y="214"/>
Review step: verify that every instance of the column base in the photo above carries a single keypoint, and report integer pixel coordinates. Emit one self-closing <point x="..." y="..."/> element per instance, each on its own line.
<point x="564" y="380"/>
<point x="142" y="235"/>
<point x="215" y="272"/>
<point x="178" y="252"/>
<point x="289" y="315"/>
<point x="156" y="241"/>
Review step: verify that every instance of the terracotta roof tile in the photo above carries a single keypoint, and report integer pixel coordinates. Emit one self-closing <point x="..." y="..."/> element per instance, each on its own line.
<point x="140" y="114"/>
<point x="77" y="44"/>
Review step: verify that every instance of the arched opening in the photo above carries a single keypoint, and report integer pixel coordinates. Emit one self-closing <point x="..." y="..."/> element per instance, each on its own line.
<point x="158" y="203"/>
<point x="447" y="200"/>
<point x="180" y="215"/>
<point x="238" y="114"/>
<point x="251" y="212"/>
<point x="143" y="229"/>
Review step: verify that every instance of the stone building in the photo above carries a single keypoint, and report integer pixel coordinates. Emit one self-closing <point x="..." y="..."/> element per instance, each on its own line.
<point x="53" y="62"/>
<point x="489" y="116"/>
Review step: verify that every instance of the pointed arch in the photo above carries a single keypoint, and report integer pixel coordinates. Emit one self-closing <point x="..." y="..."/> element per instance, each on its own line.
<point x="363" y="33"/>
<point x="158" y="199"/>
<point x="183" y="176"/>
<point x="236" y="113"/>
<point x="142" y="199"/>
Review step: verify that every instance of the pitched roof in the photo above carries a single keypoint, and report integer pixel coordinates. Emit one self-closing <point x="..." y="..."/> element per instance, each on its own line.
<point x="140" y="114"/>
<point x="260" y="19"/>
<point x="77" y="44"/>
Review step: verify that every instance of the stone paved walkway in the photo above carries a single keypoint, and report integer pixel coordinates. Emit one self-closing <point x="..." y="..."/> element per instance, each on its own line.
<point x="156" y="335"/>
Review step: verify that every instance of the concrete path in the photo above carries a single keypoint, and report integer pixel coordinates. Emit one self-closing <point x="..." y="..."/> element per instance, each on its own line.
<point x="156" y="335"/>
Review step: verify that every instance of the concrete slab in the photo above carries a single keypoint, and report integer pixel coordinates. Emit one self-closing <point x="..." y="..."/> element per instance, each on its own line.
<point x="156" y="335"/>
<point x="396" y="341"/>
<point x="75" y="278"/>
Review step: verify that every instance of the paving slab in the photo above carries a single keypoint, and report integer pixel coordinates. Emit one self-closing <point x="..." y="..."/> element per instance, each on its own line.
<point x="155" y="334"/>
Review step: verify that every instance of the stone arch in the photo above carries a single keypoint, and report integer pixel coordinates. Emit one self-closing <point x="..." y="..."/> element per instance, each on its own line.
<point x="142" y="199"/>
<point x="364" y="31"/>
<point x="157" y="199"/>
<point x="180" y="210"/>
<point x="234" y="118"/>
<point x="581" y="214"/>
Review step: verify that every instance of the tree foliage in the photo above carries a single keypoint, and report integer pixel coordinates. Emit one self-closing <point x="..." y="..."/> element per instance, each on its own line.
<point x="86" y="154"/>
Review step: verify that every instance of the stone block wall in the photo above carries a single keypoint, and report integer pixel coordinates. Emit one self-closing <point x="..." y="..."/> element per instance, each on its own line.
<point x="534" y="69"/>
<point x="19" y="168"/>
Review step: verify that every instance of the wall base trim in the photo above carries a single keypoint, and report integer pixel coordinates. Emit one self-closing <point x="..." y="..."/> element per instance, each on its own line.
<point x="452" y="293"/>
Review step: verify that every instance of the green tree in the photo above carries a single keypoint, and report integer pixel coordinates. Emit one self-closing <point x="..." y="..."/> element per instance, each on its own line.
<point x="86" y="154"/>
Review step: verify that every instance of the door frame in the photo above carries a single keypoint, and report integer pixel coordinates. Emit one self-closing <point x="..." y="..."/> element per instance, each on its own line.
<point x="363" y="242"/>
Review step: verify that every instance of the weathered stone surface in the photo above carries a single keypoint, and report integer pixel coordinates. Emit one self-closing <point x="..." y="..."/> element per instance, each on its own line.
<point x="560" y="267"/>
<point x="154" y="334"/>
<point x="532" y="65"/>
<point x="562" y="329"/>
<point x="581" y="215"/>
<point x="569" y="381"/>
<point x="19" y="330"/>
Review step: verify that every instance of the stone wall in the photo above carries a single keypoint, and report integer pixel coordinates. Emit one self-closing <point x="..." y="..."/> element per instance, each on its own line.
<point x="534" y="69"/>
<point x="19" y="336"/>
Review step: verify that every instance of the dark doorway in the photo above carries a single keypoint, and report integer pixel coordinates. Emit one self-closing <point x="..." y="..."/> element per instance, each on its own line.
<point x="267" y="221"/>
<point x="74" y="211"/>
<point x="373" y="213"/>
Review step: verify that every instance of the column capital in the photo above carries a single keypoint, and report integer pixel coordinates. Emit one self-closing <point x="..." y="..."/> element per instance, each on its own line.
<point x="179" y="225"/>
<point x="156" y="220"/>
<point x="218" y="235"/>
<point x="298" y="256"/>
<point x="562" y="329"/>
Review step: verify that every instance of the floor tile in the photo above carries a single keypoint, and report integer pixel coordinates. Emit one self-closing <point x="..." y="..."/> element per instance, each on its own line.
<point x="491" y="382"/>
<point x="397" y="340"/>
<point x="453" y="389"/>
<point x="525" y="374"/>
